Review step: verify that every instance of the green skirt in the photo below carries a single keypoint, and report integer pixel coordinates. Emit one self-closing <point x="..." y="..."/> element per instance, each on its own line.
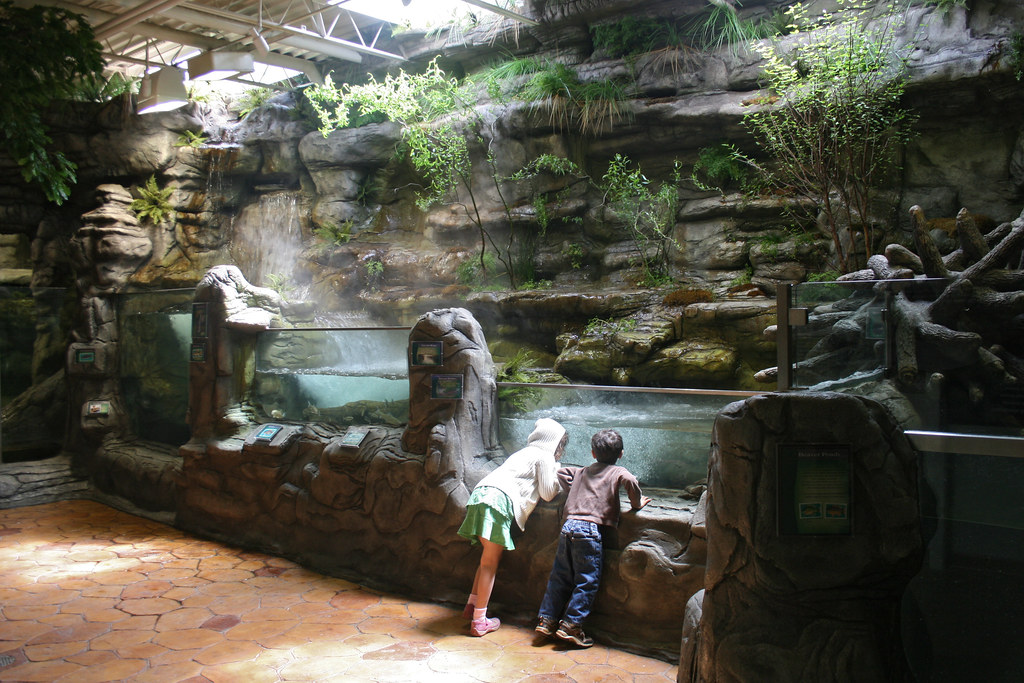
<point x="488" y="515"/>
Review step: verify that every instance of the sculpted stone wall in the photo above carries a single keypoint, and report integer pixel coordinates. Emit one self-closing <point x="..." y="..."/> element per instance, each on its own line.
<point x="781" y="605"/>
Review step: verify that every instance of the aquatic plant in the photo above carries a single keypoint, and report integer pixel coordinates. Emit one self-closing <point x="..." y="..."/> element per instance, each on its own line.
<point x="191" y="139"/>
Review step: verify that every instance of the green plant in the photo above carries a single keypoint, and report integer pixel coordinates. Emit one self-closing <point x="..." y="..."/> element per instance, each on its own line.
<point x="835" y="133"/>
<point x="720" y="167"/>
<point x="46" y="55"/>
<point x="250" y="100"/>
<point x="191" y="139"/>
<point x="1016" y="49"/>
<point x="635" y="35"/>
<point x="745" y="278"/>
<point x="374" y="273"/>
<point x="721" y="26"/>
<point x="825" y="276"/>
<point x="607" y="326"/>
<point x="946" y="6"/>
<point x="334" y="234"/>
<point x="574" y="252"/>
<point x="647" y="213"/>
<point x="438" y="124"/>
<point x="476" y="272"/>
<point x="104" y="89"/>
<point x="279" y="283"/>
<point x="584" y="107"/>
<point x="151" y="203"/>
<point x="514" y="370"/>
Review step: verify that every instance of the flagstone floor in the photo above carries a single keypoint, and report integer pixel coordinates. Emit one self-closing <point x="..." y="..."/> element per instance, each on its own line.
<point x="89" y="593"/>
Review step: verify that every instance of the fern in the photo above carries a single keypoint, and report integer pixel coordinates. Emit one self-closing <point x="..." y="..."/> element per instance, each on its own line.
<point x="152" y="204"/>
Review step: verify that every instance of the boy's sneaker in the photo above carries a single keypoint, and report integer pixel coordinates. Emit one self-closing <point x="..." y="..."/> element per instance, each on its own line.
<point x="480" y="627"/>
<point x="574" y="634"/>
<point x="545" y="625"/>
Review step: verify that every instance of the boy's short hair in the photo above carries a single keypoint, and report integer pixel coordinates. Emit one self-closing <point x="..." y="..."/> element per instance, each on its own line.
<point x="607" y="446"/>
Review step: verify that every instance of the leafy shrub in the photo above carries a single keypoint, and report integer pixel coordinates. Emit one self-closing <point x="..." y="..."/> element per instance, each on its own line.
<point x="334" y="234"/>
<point x="720" y="167"/>
<point x="251" y="100"/>
<point x="191" y="139"/>
<point x="1017" y="54"/>
<point x="635" y="35"/>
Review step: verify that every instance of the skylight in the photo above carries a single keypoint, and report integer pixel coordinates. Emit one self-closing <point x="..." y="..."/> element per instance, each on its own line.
<point x="417" y="14"/>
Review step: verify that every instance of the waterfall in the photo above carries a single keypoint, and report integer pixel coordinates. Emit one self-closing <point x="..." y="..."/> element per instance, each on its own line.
<point x="267" y="238"/>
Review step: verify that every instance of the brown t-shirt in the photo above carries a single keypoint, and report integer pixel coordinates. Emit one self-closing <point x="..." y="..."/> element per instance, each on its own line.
<point x="594" y="492"/>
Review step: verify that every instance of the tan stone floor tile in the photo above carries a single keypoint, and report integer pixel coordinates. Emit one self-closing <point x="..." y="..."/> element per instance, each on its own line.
<point x="459" y="643"/>
<point x="268" y="614"/>
<point x="426" y="610"/>
<point x="169" y="672"/>
<point x="224" y="590"/>
<point x="119" y="578"/>
<point x="66" y="634"/>
<point x="51" y="651"/>
<point x="558" y="677"/>
<point x="258" y="631"/>
<point x="219" y="562"/>
<point x="183" y="618"/>
<point x="101" y="591"/>
<point x="453" y="625"/>
<point x="171" y="657"/>
<point x="145" y="650"/>
<point x="32" y="611"/>
<point x="120" y="564"/>
<point x="179" y="593"/>
<point x="318" y="669"/>
<point x="142" y="606"/>
<point x="224" y="575"/>
<point x="274" y="658"/>
<point x="313" y="632"/>
<point x="41" y="671"/>
<point x="669" y="675"/>
<point x="369" y="642"/>
<point x="117" y="670"/>
<point x="38" y="595"/>
<point x="118" y="639"/>
<point x="344" y="616"/>
<point x="223" y="653"/>
<point x="146" y="589"/>
<point x="142" y="622"/>
<point x="388" y="609"/>
<point x="240" y="672"/>
<point x="285" y="601"/>
<point x="599" y="673"/>
<point x="92" y="658"/>
<point x="354" y="599"/>
<point x="448" y="661"/>
<point x="514" y="666"/>
<point x="319" y="594"/>
<point x="326" y="648"/>
<point x="313" y="612"/>
<point x="636" y="663"/>
<point x="189" y="639"/>
<point x="386" y="624"/>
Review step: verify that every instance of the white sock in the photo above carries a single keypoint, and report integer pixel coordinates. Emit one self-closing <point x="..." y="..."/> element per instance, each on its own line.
<point x="479" y="613"/>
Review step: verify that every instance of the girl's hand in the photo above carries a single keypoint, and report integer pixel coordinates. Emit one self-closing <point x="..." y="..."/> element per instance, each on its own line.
<point x="644" y="500"/>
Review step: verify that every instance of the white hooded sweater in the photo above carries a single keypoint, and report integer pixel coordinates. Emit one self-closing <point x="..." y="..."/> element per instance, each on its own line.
<point x="531" y="472"/>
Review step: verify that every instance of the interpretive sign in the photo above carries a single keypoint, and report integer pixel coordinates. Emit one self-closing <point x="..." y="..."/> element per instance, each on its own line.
<point x="814" y="489"/>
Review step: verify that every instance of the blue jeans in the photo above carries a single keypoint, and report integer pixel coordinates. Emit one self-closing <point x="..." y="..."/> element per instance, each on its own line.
<point x="576" y="574"/>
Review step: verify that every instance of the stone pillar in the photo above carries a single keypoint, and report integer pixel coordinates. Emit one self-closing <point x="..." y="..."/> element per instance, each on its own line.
<point x="451" y="431"/>
<point x="789" y="598"/>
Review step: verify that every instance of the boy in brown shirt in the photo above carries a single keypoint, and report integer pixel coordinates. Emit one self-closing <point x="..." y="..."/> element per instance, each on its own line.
<point x="593" y="502"/>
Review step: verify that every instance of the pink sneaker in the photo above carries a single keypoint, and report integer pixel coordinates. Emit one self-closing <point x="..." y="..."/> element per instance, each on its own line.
<point x="467" y="611"/>
<point x="483" y="626"/>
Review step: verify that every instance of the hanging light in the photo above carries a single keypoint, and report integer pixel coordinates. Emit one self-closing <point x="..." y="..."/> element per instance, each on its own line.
<point x="214" y="66"/>
<point x="162" y="90"/>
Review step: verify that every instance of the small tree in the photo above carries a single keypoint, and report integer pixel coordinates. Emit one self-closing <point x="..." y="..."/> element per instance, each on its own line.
<point x="46" y="55"/>
<point x="837" y="128"/>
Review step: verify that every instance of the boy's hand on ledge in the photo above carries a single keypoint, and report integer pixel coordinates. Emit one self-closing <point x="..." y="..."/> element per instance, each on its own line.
<point x="644" y="500"/>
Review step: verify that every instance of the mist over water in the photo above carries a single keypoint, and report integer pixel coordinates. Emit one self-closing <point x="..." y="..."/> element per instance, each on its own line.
<point x="267" y="240"/>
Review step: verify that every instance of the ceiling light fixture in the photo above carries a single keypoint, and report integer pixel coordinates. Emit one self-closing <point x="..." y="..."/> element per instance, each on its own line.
<point x="162" y="90"/>
<point x="215" y="66"/>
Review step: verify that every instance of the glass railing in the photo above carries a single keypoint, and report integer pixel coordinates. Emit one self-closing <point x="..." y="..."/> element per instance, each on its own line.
<point x="153" y="358"/>
<point x="666" y="433"/>
<point x="956" y="376"/>
<point x="335" y="375"/>
<point x="961" y="611"/>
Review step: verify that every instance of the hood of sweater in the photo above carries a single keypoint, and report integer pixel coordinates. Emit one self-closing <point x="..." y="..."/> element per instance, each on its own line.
<point x="546" y="434"/>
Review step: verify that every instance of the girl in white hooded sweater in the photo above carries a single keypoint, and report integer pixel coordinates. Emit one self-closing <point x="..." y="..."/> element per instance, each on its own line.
<point x="509" y="492"/>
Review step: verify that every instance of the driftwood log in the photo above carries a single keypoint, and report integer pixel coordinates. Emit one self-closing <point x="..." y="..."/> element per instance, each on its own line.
<point x="963" y="339"/>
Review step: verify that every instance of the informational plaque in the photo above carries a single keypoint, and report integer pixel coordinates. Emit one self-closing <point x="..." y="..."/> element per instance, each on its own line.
<point x="814" y="489"/>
